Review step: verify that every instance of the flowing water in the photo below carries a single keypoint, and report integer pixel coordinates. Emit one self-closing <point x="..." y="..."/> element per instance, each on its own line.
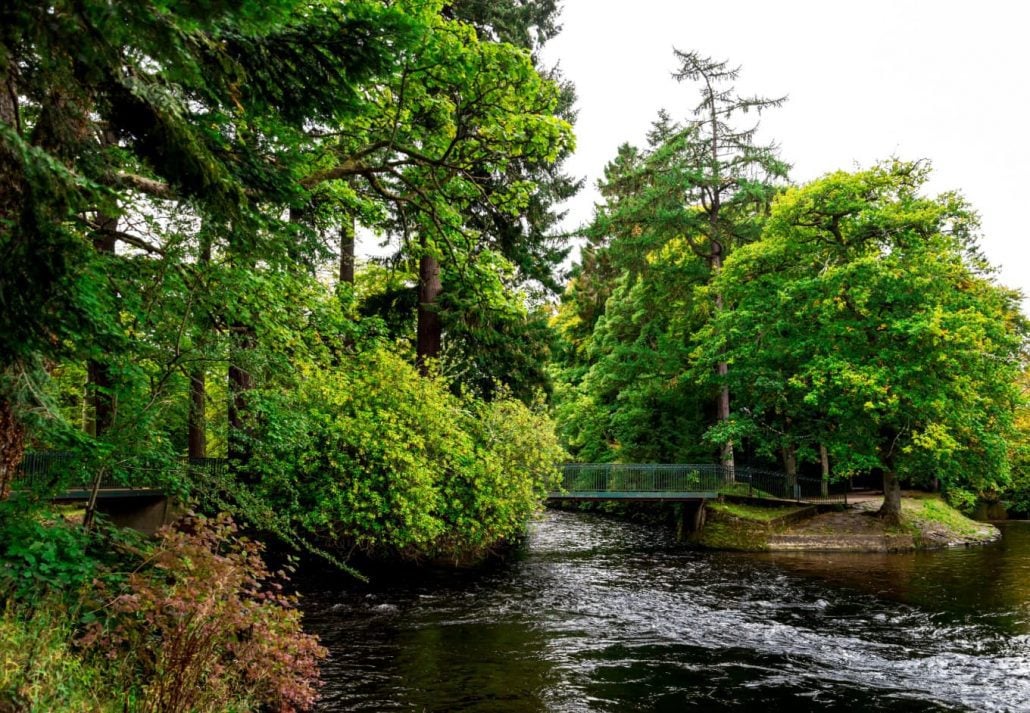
<point x="600" y="615"/>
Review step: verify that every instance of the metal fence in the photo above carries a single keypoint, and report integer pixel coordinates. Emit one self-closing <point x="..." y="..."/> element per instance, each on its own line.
<point x="614" y="479"/>
<point x="657" y="481"/>
<point x="61" y="472"/>
<point x="54" y="471"/>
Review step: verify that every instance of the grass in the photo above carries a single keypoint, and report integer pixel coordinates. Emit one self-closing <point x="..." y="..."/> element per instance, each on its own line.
<point x="927" y="521"/>
<point x="925" y="512"/>
<point x="741" y="526"/>
<point x="752" y="513"/>
<point x="40" y="672"/>
<point x="746" y="491"/>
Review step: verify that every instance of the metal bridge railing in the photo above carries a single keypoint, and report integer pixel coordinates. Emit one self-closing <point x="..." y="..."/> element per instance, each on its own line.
<point x="62" y="472"/>
<point x="53" y="471"/>
<point x="600" y="480"/>
<point x="642" y="478"/>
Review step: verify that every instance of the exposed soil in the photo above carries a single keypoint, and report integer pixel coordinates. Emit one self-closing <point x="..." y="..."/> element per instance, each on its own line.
<point x="927" y="523"/>
<point x="859" y="529"/>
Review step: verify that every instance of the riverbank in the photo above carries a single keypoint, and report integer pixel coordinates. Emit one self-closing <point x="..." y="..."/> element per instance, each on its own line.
<point x="927" y="523"/>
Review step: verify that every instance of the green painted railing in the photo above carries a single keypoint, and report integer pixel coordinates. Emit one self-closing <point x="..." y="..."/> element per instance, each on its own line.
<point x="693" y="481"/>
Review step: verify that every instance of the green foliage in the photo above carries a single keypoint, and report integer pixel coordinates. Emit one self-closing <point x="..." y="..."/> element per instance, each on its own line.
<point x="374" y="455"/>
<point x="865" y="320"/>
<point x="42" y="555"/>
<point x="40" y="670"/>
<point x="671" y="214"/>
<point x="1016" y="494"/>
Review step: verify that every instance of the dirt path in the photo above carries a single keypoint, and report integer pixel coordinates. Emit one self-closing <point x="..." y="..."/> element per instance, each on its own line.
<point x="928" y="524"/>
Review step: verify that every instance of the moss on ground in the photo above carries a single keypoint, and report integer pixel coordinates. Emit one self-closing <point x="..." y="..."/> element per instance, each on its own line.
<point x="744" y="490"/>
<point x="742" y="526"/>
<point x="719" y="534"/>
<point x="934" y="523"/>
<point x="927" y="523"/>
<point x="753" y="513"/>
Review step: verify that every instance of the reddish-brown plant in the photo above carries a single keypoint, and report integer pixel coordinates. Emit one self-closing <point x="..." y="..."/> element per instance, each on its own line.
<point x="209" y="625"/>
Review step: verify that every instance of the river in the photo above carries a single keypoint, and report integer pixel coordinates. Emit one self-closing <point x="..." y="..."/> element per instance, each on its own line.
<point x="601" y="615"/>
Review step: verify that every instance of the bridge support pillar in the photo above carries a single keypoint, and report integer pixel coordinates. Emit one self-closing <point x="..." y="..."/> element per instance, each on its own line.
<point x="690" y="518"/>
<point x="146" y="514"/>
<point x="698" y="519"/>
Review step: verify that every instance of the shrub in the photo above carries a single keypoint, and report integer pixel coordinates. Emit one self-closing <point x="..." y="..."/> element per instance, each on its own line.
<point x="206" y="626"/>
<point x="517" y="454"/>
<point x="41" y="553"/>
<point x="374" y="455"/>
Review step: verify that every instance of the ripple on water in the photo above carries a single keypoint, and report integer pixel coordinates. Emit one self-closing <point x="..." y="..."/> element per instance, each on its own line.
<point x="608" y="616"/>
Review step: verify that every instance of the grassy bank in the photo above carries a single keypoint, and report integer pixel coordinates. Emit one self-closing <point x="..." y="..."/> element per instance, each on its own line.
<point x="743" y="526"/>
<point x="927" y="523"/>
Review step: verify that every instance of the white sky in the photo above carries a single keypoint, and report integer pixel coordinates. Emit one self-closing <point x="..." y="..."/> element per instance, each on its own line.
<point x="945" y="81"/>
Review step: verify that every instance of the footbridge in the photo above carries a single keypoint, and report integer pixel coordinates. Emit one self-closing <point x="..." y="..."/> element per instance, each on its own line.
<point x="128" y="495"/>
<point x="690" y="482"/>
<point x="127" y="492"/>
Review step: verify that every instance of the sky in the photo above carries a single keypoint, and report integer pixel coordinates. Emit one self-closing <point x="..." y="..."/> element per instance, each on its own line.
<point x="944" y="81"/>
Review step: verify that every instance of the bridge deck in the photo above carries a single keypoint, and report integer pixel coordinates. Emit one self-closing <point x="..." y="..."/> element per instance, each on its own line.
<point x="662" y="496"/>
<point x="579" y="481"/>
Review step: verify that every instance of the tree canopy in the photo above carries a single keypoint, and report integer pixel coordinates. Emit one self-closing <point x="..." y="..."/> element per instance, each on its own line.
<point x="866" y="321"/>
<point x="177" y="180"/>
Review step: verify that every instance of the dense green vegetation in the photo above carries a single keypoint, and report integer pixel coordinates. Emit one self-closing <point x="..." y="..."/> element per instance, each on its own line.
<point x="178" y="192"/>
<point x="181" y="189"/>
<point x="851" y="321"/>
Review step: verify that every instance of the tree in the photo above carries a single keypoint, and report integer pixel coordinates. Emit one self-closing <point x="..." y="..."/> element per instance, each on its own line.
<point x="455" y="158"/>
<point x="865" y="319"/>
<point x="701" y="188"/>
<point x="110" y="110"/>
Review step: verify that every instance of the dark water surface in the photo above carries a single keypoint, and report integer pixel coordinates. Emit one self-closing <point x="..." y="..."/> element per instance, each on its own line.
<point x="599" y="615"/>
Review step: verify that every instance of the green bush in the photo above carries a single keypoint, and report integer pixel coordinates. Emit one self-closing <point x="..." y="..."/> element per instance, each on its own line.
<point x="517" y="454"/>
<point x="41" y="553"/>
<point x="962" y="500"/>
<point x="373" y="455"/>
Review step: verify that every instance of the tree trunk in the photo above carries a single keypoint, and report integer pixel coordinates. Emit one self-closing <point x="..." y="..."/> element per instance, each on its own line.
<point x="12" y="446"/>
<point x="347" y="251"/>
<point x="12" y="187"/>
<point x="101" y="384"/>
<point x="824" y="459"/>
<point x="240" y="383"/>
<point x="12" y="178"/>
<point x="430" y="327"/>
<point x="890" y="511"/>
<point x="242" y="341"/>
<point x="196" y="426"/>
<point x="790" y="465"/>
<point x="722" y="368"/>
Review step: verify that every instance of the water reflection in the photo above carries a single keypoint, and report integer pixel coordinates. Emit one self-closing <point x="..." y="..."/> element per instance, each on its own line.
<point x="990" y="583"/>
<point x="608" y="616"/>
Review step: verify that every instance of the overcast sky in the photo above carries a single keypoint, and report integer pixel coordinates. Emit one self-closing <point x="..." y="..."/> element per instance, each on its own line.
<point x="944" y="81"/>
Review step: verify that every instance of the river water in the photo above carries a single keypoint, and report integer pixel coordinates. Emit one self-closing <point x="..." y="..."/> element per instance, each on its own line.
<point x="601" y="615"/>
